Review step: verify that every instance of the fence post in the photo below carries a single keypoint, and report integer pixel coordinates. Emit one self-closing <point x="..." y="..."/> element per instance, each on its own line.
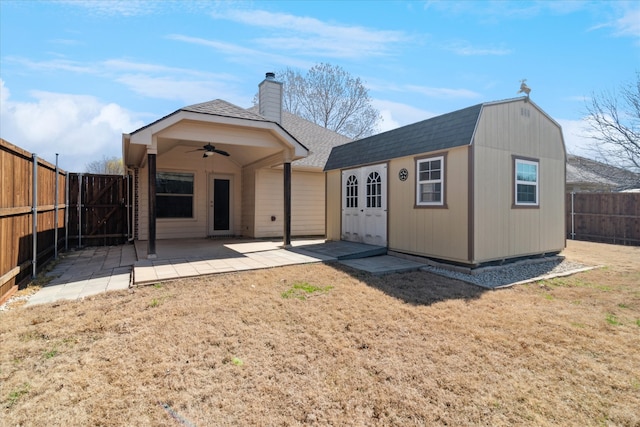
<point x="573" y="233"/>
<point x="34" y="213"/>
<point x="66" y="212"/>
<point x="55" y="210"/>
<point x="79" y="211"/>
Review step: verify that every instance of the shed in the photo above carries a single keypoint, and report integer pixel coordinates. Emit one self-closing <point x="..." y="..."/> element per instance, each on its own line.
<point x="478" y="185"/>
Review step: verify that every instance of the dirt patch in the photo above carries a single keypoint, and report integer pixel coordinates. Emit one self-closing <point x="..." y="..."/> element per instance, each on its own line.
<point x="327" y="345"/>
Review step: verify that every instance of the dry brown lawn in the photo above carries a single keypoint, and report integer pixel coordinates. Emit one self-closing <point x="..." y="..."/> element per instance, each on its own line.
<point x="326" y="345"/>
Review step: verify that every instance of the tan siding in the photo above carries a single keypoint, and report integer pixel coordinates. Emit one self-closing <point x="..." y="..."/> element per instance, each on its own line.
<point x="177" y="160"/>
<point x="516" y="128"/>
<point x="248" y="202"/>
<point x="334" y="208"/>
<point x="307" y="200"/>
<point x="433" y="232"/>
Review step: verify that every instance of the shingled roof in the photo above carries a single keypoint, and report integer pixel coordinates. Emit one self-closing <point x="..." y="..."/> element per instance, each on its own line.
<point x="595" y="175"/>
<point x="438" y="133"/>
<point x="317" y="139"/>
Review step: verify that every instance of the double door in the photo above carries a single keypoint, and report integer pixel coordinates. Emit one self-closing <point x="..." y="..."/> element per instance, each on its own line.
<point x="364" y="205"/>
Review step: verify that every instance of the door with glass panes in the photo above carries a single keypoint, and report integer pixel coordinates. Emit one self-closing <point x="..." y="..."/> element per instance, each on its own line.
<point x="364" y="205"/>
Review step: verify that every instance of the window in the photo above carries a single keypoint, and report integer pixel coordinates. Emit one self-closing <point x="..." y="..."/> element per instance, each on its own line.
<point x="430" y="182"/>
<point x="352" y="192"/>
<point x="374" y="190"/>
<point x="174" y="195"/>
<point x="526" y="182"/>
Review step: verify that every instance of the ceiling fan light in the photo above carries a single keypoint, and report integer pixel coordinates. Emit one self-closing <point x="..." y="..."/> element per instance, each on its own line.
<point x="208" y="153"/>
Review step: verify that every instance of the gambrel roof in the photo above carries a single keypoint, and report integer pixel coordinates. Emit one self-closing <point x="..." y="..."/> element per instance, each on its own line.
<point x="438" y="133"/>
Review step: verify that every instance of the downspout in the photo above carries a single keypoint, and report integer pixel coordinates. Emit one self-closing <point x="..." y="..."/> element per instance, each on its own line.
<point x="129" y="210"/>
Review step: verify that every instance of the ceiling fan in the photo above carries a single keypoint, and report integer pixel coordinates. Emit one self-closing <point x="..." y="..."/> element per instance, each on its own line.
<point x="209" y="150"/>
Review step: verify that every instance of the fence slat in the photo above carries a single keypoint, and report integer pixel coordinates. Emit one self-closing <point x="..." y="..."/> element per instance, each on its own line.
<point x="19" y="248"/>
<point x="604" y="217"/>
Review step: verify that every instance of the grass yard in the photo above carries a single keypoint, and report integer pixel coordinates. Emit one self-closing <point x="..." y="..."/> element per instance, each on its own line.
<point x="326" y="345"/>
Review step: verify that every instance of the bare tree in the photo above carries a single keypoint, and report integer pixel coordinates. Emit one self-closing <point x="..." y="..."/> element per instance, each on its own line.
<point x="330" y="97"/>
<point x="106" y="166"/>
<point x="614" y="119"/>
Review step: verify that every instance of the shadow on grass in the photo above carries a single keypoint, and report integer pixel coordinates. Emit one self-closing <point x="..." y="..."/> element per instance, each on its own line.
<point x="417" y="287"/>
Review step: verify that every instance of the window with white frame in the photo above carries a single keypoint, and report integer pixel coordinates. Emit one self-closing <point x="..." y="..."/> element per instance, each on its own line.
<point x="526" y="182"/>
<point x="174" y="195"/>
<point x="430" y="182"/>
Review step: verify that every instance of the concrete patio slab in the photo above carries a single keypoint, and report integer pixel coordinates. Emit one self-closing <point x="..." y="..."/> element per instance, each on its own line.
<point x="85" y="272"/>
<point x="384" y="264"/>
<point x="90" y="271"/>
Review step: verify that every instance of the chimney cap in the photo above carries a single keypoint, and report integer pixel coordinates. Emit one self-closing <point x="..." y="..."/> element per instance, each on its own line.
<point x="270" y="75"/>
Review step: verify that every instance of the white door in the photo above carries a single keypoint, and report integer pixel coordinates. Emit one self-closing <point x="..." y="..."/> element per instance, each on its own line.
<point x="364" y="205"/>
<point x="351" y="205"/>
<point x="221" y="206"/>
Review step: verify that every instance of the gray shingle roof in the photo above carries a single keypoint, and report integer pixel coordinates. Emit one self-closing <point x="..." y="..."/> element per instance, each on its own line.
<point x="581" y="170"/>
<point x="218" y="107"/>
<point x="317" y="139"/>
<point x="438" y="133"/>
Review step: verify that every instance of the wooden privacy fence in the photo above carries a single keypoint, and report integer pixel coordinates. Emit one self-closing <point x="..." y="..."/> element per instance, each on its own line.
<point x="98" y="209"/>
<point x="32" y="215"/>
<point x="604" y="217"/>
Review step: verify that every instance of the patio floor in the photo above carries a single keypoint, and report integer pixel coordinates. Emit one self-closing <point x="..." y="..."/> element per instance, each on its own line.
<point x="195" y="257"/>
<point x="84" y="272"/>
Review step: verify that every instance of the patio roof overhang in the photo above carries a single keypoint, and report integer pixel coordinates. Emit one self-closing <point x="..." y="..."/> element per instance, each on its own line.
<point x="249" y="142"/>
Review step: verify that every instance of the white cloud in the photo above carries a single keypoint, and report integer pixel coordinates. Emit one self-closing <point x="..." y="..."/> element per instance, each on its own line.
<point x="185" y="91"/>
<point x="465" y="48"/>
<point x="311" y="36"/>
<point x="576" y="137"/>
<point x="443" y="92"/>
<point x="79" y="128"/>
<point x="395" y="114"/>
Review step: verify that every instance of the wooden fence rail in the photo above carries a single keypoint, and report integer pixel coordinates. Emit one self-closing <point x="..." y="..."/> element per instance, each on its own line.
<point x="32" y="215"/>
<point x="604" y="217"/>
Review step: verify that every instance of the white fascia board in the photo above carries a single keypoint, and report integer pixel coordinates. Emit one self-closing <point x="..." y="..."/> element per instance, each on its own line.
<point x="145" y="135"/>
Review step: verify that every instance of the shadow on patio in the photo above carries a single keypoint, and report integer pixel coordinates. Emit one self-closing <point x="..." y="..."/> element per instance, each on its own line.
<point x="182" y="258"/>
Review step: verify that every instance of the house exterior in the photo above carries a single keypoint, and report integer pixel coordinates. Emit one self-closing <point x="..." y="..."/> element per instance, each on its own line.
<point x="479" y="185"/>
<point x="587" y="175"/>
<point x="216" y="169"/>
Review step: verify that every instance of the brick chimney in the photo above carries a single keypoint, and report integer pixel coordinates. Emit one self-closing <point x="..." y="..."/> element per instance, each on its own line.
<point x="270" y="98"/>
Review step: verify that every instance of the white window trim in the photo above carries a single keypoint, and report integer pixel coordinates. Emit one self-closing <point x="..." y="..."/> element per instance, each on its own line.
<point x="517" y="181"/>
<point x="434" y="181"/>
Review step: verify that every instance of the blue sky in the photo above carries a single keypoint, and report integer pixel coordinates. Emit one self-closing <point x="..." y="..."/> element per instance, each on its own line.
<point x="75" y="75"/>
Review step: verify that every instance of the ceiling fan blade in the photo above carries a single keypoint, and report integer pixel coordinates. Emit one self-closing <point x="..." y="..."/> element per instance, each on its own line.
<point x="197" y="149"/>
<point x="221" y="152"/>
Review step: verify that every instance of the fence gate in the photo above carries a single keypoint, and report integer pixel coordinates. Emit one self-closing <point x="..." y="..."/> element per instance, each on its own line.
<point x="98" y="209"/>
